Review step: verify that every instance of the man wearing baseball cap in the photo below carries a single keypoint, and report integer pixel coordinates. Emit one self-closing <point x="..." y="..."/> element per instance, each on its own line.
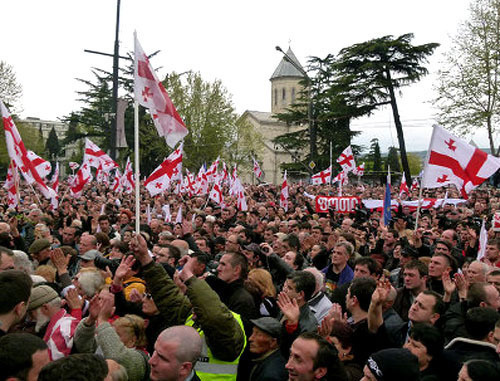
<point x="269" y="364"/>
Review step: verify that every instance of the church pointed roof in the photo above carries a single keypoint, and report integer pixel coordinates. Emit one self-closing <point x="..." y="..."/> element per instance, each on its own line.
<point x="286" y="69"/>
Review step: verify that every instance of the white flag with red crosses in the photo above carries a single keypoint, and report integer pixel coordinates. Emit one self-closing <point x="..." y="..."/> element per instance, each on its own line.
<point x="453" y="161"/>
<point x="150" y="93"/>
<point x="346" y="160"/>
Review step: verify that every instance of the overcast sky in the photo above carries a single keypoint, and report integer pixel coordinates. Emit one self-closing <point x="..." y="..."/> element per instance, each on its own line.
<point x="228" y="40"/>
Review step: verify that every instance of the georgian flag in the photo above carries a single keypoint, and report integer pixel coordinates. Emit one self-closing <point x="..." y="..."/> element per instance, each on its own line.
<point x="323" y="177"/>
<point x="42" y="166"/>
<point x="127" y="180"/>
<point x="359" y="170"/>
<point x="453" y="161"/>
<point x="212" y="171"/>
<point x="256" y="169"/>
<point x="346" y="160"/>
<point x="216" y="193"/>
<point x="284" y="194"/>
<point x="150" y="93"/>
<point x="18" y="153"/>
<point x="170" y="169"/>
<point x="82" y="178"/>
<point x="403" y="188"/>
<point x="94" y="156"/>
<point x="11" y="183"/>
<point x="342" y="178"/>
<point x="117" y="184"/>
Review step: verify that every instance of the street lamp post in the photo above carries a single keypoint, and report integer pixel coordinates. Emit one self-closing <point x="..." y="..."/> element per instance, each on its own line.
<point x="312" y="127"/>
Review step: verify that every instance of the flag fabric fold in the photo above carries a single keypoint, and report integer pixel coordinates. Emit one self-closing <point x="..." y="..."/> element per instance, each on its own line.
<point x="256" y="169"/>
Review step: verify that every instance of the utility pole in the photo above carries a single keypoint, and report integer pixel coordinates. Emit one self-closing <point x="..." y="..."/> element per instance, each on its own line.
<point x="114" y="99"/>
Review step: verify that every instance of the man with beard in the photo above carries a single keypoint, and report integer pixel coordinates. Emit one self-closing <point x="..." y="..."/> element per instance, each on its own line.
<point x="45" y="308"/>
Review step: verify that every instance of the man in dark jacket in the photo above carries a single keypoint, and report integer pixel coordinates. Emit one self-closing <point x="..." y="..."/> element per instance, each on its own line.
<point x="231" y="274"/>
<point x="269" y="365"/>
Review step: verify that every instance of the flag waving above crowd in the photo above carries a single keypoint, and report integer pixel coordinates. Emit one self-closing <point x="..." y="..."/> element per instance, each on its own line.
<point x="150" y="93"/>
<point x="453" y="161"/>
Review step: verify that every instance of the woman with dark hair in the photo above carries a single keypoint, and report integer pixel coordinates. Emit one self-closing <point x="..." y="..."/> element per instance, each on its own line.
<point x="341" y="337"/>
<point x="318" y="256"/>
<point x="479" y="370"/>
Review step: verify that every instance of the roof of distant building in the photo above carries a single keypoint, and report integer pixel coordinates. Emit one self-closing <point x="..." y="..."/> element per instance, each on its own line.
<point x="286" y="69"/>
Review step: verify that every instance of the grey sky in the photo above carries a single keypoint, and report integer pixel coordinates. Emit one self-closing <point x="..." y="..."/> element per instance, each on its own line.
<point x="229" y="40"/>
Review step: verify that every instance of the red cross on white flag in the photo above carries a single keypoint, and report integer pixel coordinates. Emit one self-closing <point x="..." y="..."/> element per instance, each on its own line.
<point x="43" y="167"/>
<point x="403" y="188"/>
<point x="11" y="183"/>
<point x="95" y="156"/>
<point x="18" y="153"/>
<point x="167" y="171"/>
<point x="256" y="169"/>
<point x="453" y="161"/>
<point x="150" y="93"/>
<point x="346" y="160"/>
<point x="284" y="194"/>
<point x="323" y="177"/>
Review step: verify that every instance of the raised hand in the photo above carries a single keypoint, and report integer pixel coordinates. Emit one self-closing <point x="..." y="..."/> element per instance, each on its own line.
<point x="326" y="326"/>
<point x="289" y="308"/>
<point x="73" y="300"/>
<point x="448" y="284"/>
<point x="140" y="248"/>
<point x="335" y="313"/>
<point x="125" y="266"/>
<point x="59" y="261"/>
<point x="382" y="291"/>
<point x="94" y="307"/>
<point x="107" y="304"/>
<point x="462" y="285"/>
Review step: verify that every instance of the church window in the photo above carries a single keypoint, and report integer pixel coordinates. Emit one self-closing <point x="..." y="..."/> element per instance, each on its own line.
<point x="275" y="96"/>
<point x="293" y="94"/>
<point x="284" y="94"/>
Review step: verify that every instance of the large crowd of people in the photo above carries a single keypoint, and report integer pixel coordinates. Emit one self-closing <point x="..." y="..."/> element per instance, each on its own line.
<point x="263" y="294"/>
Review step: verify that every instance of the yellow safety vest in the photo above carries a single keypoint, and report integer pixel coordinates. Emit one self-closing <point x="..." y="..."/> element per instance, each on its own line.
<point x="208" y="368"/>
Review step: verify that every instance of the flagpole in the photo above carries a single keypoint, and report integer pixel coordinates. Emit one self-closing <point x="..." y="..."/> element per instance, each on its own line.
<point x="137" y="178"/>
<point x="422" y="179"/>
<point x="331" y="164"/>
<point x="36" y="195"/>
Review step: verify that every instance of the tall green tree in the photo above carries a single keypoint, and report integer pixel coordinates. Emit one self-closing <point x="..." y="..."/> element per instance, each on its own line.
<point x="392" y="160"/>
<point x="469" y="83"/>
<point x="375" y="155"/>
<point x="374" y="70"/>
<point x="52" y="146"/>
<point x="10" y="89"/>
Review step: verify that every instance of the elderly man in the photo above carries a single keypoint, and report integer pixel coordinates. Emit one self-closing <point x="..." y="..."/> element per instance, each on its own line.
<point x="40" y="251"/>
<point x="176" y="351"/>
<point x="477" y="272"/>
<point x="45" y="308"/>
<point x="269" y="364"/>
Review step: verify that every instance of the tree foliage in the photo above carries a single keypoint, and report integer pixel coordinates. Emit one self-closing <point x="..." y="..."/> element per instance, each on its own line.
<point x="392" y="160"/>
<point x="52" y="146"/>
<point x="373" y="70"/>
<point x="205" y="107"/>
<point x="469" y="84"/>
<point x="10" y="89"/>
<point x="375" y="156"/>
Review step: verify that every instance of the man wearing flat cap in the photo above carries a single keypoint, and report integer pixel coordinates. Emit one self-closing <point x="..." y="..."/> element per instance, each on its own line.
<point x="40" y="251"/>
<point x="87" y="259"/>
<point x="45" y="308"/>
<point x="268" y="363"/>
